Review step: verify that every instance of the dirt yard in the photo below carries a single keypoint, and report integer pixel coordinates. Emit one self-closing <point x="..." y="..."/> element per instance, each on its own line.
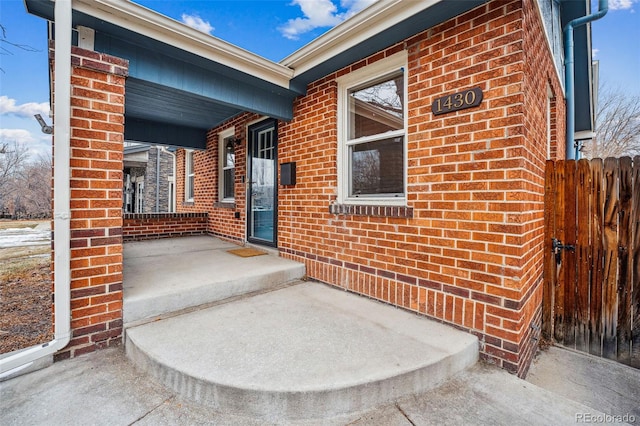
<point x="25" y="285"/>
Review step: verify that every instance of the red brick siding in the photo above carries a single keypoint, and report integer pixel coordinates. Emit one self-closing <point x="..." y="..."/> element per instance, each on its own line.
<point x="470" y="256"/>
<point x="221" y="218"/>
<point x="97" y="128"/>
<point x="467" y="248"/>
<point x="540" y="74"/>
<point x="149" y="226"/>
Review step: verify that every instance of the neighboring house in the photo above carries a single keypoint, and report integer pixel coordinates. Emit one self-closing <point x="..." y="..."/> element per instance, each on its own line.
<point x="148" y="184"/>
<point x="400" y="155"/>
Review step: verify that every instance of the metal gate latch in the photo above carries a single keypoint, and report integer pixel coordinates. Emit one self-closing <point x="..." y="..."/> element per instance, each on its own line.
<point x="557" y="247"/>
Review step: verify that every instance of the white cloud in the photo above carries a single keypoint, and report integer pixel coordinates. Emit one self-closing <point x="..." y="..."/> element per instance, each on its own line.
<point x="194" y="21"/>
<point x="16" y="135"/>
<point x="37" y="146"/>
<point x="594" y="53"/>
<point x="320" y="13"/>
<point x="621" y="4"/>
<point x="8" y="107"/>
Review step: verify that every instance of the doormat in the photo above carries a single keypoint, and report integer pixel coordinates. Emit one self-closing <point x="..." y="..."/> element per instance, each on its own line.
<point x="247" y="252"/>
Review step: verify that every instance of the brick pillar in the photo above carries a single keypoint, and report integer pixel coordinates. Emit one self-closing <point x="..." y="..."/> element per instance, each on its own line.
<point x="96" y="163"/>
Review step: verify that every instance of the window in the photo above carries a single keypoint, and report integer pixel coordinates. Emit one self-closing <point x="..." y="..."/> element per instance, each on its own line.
<point x="371" y="131"/>
<point x="226" y="149"/>
<point x="189" y="176"/>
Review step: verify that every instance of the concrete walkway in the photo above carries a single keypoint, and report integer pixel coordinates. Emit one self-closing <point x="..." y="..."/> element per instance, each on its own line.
<point x="104" y="388"/>
<point x="602" y="384"/>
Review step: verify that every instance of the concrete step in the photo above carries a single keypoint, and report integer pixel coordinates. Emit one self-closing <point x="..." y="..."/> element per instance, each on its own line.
<point x="307" y="351"/>
<point x="169" y="275"/>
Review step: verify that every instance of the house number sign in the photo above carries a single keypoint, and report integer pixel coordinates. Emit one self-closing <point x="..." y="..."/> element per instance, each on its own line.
<point x="457" y="101"/>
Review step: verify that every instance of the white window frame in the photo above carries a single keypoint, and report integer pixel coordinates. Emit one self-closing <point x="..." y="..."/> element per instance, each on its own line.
<point x="221" y="169"/>
<point x="189" y="171"/>
<point x="139" y="189"/>
<point x="379" y="69"/>
<point x="171" y="205"/>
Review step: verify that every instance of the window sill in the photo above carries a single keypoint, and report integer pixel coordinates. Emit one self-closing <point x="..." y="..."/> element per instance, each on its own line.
<point x="376" y="211"/>
<point x="225" y="205"/>
<point x="188" y="203"/>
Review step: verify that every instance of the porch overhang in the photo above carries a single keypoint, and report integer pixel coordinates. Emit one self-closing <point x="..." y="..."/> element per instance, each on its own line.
<point x="380" y="25"/>
<point x="181" y="81"/>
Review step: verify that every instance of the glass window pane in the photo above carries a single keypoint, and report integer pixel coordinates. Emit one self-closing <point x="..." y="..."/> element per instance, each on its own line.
<point x="229" y="154"/>
<point x="377" y="108"/>
<point x="228" y="183"/>
<point x="377" y="167"/>
<point x="190" y="187"/>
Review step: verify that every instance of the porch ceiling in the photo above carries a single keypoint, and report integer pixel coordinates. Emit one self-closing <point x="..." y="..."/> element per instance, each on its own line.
<point x="174" y="95"/>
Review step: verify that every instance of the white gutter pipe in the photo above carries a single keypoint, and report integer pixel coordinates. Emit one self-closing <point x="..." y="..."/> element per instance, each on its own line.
<point x="61" y="203"/>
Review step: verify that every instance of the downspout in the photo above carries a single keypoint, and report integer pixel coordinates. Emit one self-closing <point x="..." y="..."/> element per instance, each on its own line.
<point x="61" y="203"/>
<point x="603" y="6"/>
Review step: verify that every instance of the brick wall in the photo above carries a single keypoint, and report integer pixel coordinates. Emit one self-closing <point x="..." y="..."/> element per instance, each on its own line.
<point x="540" y="74"/>
<point x="148" y="226"/>
<point x="97" y="128"/>
<point x="469" y="252"/>
<point x="151" y="180"/>
<point x="222" y="221"/>
<point x="467" y="248"/>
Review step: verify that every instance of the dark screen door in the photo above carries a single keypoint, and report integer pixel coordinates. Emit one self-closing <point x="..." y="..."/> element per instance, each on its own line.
<point x="263" y="185"/>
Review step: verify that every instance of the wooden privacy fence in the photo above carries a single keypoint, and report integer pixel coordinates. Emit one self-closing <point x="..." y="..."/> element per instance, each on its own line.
<point x="591" y="299"/>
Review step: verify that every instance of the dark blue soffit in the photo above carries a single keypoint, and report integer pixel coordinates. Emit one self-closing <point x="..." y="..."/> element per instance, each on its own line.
<point x="155" y="132"/>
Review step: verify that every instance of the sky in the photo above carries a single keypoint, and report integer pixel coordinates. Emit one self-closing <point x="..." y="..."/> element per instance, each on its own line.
<point x="272" y="29"/>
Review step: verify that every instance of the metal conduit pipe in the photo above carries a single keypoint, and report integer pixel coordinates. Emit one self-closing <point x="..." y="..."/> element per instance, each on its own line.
<point x="569" y="74"/>
<point x="158" y="151"/>
<point x="61" y="204"/>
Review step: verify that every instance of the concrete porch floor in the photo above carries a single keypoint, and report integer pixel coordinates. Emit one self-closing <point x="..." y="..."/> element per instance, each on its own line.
<point x="245" y="335"/>
<point x="170" y="275"/>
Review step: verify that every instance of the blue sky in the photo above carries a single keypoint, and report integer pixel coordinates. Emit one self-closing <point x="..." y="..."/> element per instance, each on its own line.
<point x="272" y="29"/>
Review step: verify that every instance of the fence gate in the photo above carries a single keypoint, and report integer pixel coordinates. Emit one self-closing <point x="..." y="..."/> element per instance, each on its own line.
<point x="591" y="299"/>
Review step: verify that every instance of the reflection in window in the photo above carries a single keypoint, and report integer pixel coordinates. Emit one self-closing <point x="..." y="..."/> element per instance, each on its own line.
<point x="375" y="138"/>
<point x="228" y="169"/>
<point x="190" y="176"/>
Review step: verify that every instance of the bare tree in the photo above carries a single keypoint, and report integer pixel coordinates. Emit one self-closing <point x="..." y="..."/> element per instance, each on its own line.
<point x="35" y="186"/>
<point x="25" y="186"/>
<point x="12" y="157"/>
<point x="617" y="125"/>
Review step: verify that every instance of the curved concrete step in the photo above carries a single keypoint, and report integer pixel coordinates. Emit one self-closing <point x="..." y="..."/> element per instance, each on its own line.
<point x="303" y="352"/>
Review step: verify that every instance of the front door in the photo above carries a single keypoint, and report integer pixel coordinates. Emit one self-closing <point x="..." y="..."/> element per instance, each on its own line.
<point x="263" y="186"/>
